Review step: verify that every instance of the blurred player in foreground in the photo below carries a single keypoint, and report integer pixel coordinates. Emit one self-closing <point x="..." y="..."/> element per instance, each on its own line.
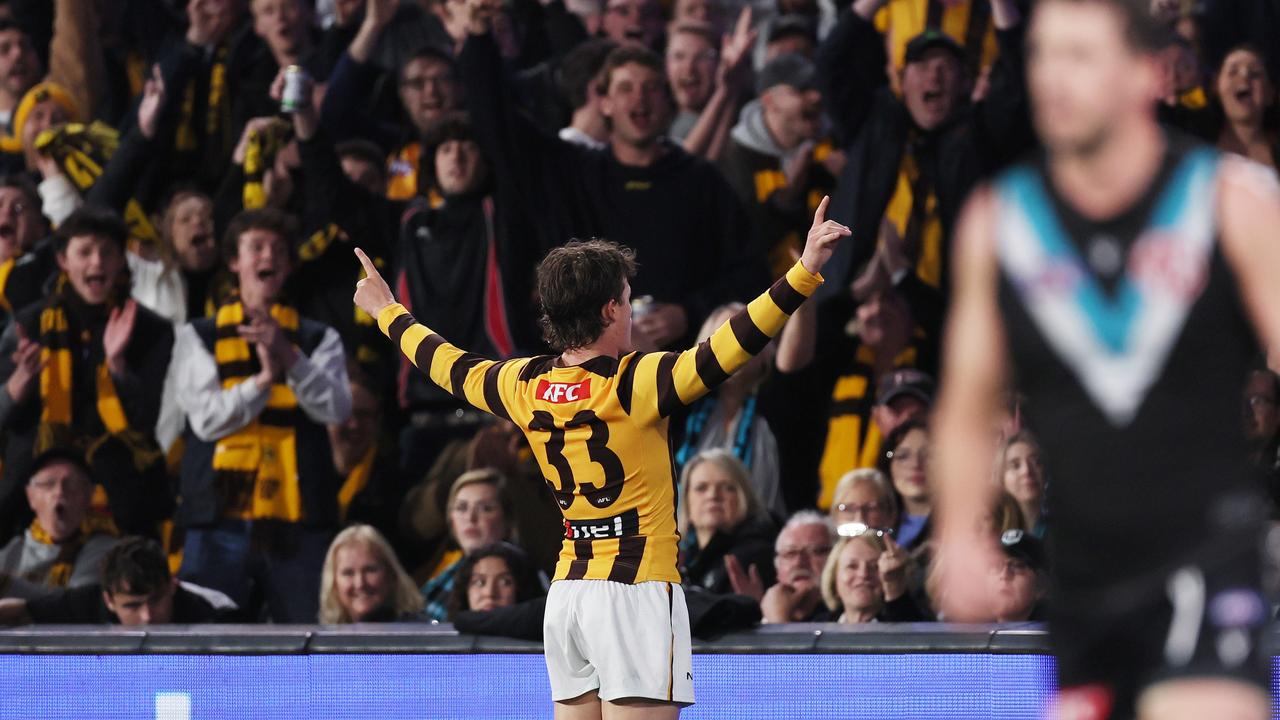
<point x="1118" y="281"/>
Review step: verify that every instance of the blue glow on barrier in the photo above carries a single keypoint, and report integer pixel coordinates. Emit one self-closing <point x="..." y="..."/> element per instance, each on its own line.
<point x="387" y="687"/>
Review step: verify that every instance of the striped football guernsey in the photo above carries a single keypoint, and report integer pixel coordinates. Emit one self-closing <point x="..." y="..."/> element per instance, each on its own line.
<point x="599" y="429"/>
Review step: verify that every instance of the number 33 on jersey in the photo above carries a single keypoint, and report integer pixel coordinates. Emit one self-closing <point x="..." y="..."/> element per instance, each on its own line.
<point x="599" y="429"/>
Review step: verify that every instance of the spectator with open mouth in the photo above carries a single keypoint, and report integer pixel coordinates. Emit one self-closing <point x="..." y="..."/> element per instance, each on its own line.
<point x="63" y="546"/>
<point x="258" y="383"/>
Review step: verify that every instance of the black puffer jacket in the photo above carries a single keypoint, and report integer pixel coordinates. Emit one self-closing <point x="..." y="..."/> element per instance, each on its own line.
<point x="751" y="542"/>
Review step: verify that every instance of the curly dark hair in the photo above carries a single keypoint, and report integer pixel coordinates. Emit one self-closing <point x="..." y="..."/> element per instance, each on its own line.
<point x="528" y="585"/>
<point x="575" y="282"/>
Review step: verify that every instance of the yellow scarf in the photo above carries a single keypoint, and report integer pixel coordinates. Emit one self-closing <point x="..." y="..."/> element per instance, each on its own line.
<point x="6" y="268"/>
<point x="257" y="466"/>
<point x="58" y="428"/>
<point x="185" y="137"/>
<point x="57" y="356"/>
<point x="82" y="151"/>
<point x="357" y="480"/>
<point x="63" y="565"/>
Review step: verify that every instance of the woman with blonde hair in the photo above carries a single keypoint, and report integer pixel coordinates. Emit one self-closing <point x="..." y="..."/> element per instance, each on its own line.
<point x="363" y="582"/>
<point x="851" y="583"/>
<point x="719" y="515"/>
<point x="479" y="513"/>
<point x="1022" y="477"/>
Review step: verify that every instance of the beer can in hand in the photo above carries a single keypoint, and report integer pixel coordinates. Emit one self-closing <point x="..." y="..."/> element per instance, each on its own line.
<point x="295" y="96"/>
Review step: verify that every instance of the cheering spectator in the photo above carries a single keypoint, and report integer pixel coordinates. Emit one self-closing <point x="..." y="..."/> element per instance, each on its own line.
<point x="134" y="588"/>
<point x="64" y="546"/>
<point x="691" y="61"/>
<point x="480" y="514"/>
<point x="906" y="462"/>
<point x="772" y="158"/>
<point x="800" y="554"/>
<point x="720" y="517"/>
<point x="82" y="370"/>
<point x="1022" y="477"/>
<point x="1248" y="98"/>
<point x="644" y="192"/>
<point x="258" y="383"/>
<point x="428" y="89"/>
<point x="732" y="418"/>
<point x="836" y="354"/>
<point x="865" y="496"/>
<point x="495" y="576"/>
<point x="914" y="159"/>
<point x="363" y="582"/>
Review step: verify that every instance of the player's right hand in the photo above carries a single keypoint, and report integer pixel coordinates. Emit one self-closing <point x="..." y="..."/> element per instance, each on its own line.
<point x="822" y="240"/>
<point x="372" y="292"/>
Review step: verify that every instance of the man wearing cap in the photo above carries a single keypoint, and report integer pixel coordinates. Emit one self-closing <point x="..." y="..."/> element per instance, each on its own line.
<point x="912" y="159"/>
<point x="62" y="547"/>
<point x="1018" y="582"/>
<point x="772" y="159"/>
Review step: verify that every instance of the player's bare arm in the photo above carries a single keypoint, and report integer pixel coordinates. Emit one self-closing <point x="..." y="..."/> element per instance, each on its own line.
<point x="973" y="375"/>
<point x="1249" y="208"/>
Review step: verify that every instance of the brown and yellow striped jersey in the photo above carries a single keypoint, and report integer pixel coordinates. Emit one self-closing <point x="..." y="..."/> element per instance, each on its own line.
<point x="599" y="429"/>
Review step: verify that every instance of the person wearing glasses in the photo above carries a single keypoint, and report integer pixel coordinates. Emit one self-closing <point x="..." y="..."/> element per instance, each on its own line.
<point x="864" y="496"/>
<point x="800" y="553"/>
<point x="905" y="461"/>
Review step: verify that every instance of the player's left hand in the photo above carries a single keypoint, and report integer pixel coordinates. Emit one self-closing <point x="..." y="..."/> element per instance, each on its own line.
<point x="822" y="240"/>
<point x="372" y="292"/>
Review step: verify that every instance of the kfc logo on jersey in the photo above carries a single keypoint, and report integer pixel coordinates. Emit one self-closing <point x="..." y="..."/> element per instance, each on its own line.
<point x="561" y="393"/>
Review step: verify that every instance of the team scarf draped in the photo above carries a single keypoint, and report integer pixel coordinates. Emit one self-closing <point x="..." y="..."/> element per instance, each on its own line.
<point x="257" y="466"/>
<point x="59" y="575"/>
<point x="696" y="425"/>
<point x="63" y="335"/>
<point x="185" y="139"/>
<point x="82" y="152"/>
<point x="357" y="480"/>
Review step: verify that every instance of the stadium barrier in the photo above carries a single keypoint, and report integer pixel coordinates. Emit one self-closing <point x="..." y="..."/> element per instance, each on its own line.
<point x="386" y="672"/>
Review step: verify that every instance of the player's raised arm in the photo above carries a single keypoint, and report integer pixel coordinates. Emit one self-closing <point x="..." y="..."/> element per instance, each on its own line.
<point x="468" y="376"/>
<point x="973" y="375"/>
<point x="666" y="381"/>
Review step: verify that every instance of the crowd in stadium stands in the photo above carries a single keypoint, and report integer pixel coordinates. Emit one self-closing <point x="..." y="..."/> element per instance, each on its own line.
<point x="199" y="426"/>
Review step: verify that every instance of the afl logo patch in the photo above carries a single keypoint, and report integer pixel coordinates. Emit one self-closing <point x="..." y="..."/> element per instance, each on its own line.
<point x="560" y="393"/>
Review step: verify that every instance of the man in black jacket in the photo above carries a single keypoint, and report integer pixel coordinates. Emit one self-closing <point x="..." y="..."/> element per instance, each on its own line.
<point x="913" y="160"/>
<point x="643" y="191"/>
